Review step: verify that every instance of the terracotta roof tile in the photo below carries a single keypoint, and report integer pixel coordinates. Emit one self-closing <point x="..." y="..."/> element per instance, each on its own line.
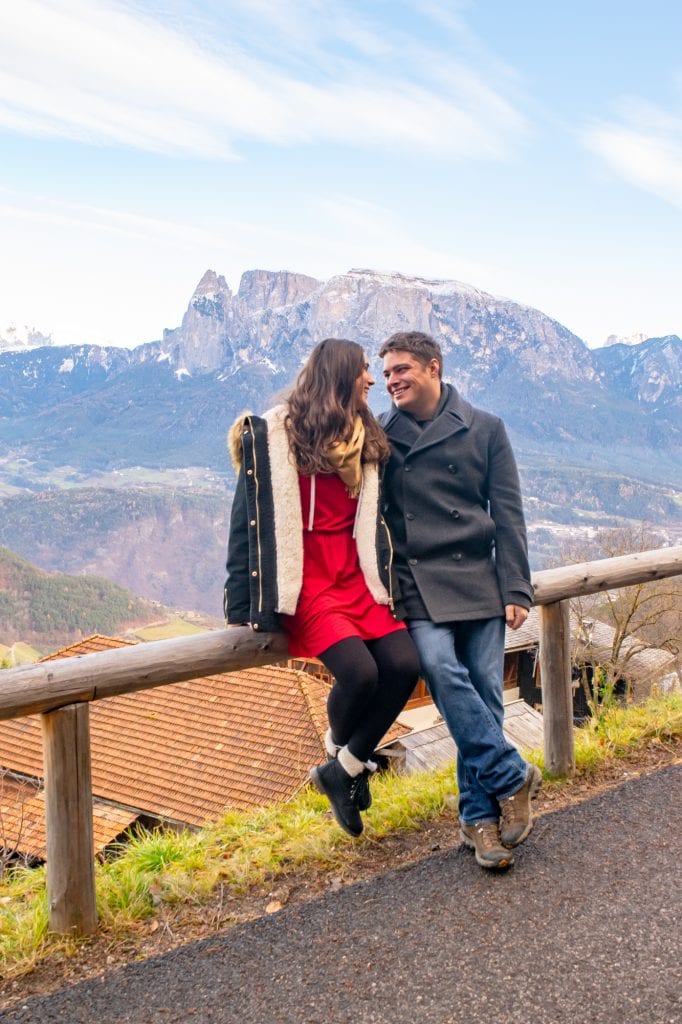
<point x="22" y="820"/>
<point x="189" y="750"/>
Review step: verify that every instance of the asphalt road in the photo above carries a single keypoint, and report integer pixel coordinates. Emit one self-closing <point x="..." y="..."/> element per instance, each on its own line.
<point x="586" y="927"/>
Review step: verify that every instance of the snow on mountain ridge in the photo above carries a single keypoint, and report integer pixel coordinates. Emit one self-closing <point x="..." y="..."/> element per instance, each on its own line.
<point x="18" y="339"/>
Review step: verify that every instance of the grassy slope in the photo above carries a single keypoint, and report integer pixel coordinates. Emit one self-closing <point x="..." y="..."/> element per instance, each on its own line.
<point x="156" y="876"/>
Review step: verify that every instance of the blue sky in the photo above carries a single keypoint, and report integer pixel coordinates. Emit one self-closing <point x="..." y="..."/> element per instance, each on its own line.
<point x="531" y="149"/>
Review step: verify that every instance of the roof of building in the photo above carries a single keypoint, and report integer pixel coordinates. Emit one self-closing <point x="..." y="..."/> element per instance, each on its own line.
<point x="431" y="744"/>
<point x="644" y="664"/>
<point x="189" y="750"/>
<point x="22" y="819"/>
<point x="639" y="663"/>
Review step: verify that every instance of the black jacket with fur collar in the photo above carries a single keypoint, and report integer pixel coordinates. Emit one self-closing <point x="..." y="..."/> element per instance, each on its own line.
<point x="265" y="548"/>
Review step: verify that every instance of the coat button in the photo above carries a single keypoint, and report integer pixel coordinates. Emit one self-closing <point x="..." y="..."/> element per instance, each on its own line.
<point x="407" y="469"/>
<point x="413" y="561"/>
<point x="254" y="573"/>
<point x="253" y="522"/>
<point x="410" y="515"/>
<point x="255" y="625"/>
<point x="249" y="472"/>
<point x="457" y="557"/>
<point x="452" y="468"/>
<point x="454" y="513"/>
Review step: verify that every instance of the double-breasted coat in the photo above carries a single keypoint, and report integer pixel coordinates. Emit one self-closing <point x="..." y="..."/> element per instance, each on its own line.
<point x="453" y="503"/>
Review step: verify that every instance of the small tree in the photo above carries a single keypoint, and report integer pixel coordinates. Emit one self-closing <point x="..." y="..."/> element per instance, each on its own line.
<point x="640" y="616"/>
<point x="12" y="833"/>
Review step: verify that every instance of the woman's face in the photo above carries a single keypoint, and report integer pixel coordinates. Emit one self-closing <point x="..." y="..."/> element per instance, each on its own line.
<point x="363" y="384"/>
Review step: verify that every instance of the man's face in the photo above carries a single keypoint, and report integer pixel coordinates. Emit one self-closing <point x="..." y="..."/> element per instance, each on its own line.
<point x="413" y="387"/>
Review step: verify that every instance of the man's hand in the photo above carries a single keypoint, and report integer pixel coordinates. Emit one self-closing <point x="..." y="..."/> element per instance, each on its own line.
<point x="515" y="615"/>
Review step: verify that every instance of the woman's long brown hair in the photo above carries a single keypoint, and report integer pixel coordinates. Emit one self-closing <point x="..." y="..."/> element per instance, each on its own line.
<point x="322" y="407"/>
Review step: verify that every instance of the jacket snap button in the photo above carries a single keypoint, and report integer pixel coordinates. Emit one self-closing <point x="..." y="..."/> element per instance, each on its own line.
<point x="254" y="573"/>
<point x="253" y="522"/>
<point x="410" y="515"/>
<point x="454" y="514"/>
<point x="407" y="469"/>
<point x="255" y="625"/>
<point x="452" y="468"/>
<point x="457" y="556"/>
<point x="413" y="561"/>
<point x="249" y="472"/>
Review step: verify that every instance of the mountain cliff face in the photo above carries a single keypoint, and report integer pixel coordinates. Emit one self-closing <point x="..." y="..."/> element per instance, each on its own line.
<point x="168" y="402"/>
<point x="276" y="318"/>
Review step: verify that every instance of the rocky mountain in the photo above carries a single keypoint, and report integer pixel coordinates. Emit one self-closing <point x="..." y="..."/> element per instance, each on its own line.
<point x="597" y="433"/>
<point x="632" y="339"/>
<point x="649" y="373"/>
<point x="169" y="402"/>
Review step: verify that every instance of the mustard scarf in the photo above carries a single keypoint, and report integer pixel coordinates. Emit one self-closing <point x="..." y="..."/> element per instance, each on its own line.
<point x="345" y="458"/>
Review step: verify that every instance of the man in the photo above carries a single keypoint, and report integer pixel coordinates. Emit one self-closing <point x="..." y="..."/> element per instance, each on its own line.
<point x="453" y="504"/>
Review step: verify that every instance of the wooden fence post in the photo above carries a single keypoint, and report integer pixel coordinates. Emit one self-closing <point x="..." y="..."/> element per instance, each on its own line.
<point x="68" y="813"/>
<point x="557" y="692"/>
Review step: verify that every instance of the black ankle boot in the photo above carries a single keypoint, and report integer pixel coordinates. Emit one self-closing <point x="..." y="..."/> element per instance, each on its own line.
<point x="340" y="788"/>
<point x="363" y="794"/>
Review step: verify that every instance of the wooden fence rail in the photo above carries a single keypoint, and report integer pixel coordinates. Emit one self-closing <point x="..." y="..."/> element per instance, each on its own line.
<point x="62" y="690"/>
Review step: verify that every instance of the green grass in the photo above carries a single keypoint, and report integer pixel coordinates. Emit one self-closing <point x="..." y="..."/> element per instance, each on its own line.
<point x="155" y="873"/>
<point x="176" y="626"/>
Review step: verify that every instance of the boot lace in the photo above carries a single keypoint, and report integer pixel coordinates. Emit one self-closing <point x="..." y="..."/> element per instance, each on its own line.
<point x="509" y="811"/>
<point x="488" y="834"/>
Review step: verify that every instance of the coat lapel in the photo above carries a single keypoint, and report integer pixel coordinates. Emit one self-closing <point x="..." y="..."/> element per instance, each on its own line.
<point x="454" y="417"/>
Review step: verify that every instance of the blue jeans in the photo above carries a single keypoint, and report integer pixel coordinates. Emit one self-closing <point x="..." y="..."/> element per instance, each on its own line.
<point x="463" y="664"/>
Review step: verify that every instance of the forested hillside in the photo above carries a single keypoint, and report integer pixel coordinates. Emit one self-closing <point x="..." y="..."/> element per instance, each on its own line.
<point x="166" y="544"/>
<point x="49" y="610"/>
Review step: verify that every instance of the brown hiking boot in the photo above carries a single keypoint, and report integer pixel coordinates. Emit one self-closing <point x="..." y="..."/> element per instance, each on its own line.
<point x="516" y="815"/>
<point x="483" y="837"/>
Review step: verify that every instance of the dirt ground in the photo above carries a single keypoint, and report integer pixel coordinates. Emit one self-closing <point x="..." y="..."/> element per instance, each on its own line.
<point x="175" y="926"/>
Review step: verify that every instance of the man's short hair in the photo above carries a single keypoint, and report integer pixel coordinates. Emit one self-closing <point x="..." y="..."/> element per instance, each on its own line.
<point x="421" y="346"/>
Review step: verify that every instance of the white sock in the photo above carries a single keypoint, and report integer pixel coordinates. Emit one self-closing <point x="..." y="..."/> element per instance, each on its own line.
<point x="329" y="745"/>
<point x="350" y="763"/>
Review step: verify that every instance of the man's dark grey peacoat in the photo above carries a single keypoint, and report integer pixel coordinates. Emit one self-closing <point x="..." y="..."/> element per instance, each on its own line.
<point x="453" y="504"/>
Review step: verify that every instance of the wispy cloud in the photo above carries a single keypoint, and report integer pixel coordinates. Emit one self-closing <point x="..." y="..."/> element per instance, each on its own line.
<point x="102" y="72"/>
<point x="644" y="147"/>
<point x="367" y="235"/>
<point x="47" y="213"/>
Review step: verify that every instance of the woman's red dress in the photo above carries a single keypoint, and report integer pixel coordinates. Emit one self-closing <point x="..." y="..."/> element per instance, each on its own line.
<point x="334" y="603"/>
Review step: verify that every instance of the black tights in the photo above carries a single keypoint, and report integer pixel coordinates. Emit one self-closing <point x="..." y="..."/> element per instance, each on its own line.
<point x="373" y="681"/>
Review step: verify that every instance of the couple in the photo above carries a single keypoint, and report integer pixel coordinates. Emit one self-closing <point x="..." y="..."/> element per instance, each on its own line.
<point x="380" y="547"/>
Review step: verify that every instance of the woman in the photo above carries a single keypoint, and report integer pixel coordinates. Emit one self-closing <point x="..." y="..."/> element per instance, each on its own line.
<point x="309" y="553"/>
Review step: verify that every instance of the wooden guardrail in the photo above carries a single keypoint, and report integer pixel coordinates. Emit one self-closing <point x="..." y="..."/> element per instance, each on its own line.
<point x="61" y="691"/>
